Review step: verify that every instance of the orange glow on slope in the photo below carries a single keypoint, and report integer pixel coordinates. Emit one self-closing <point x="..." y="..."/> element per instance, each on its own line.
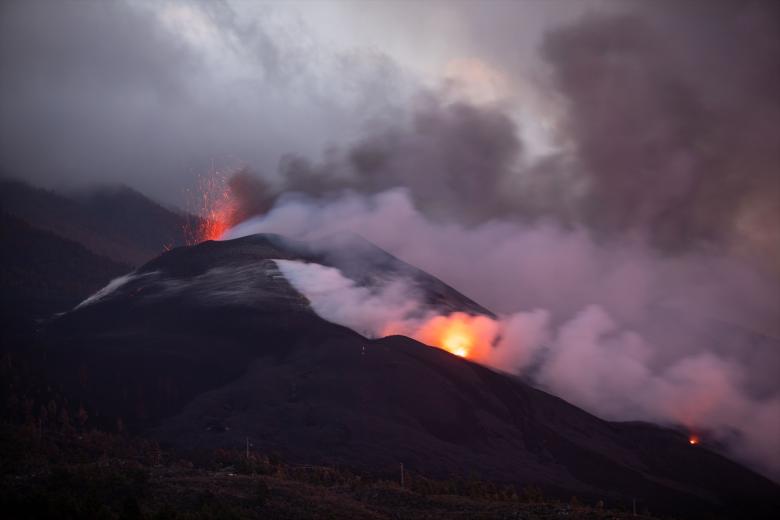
<point x="693" y="440"/>
<point x="457" y="342"/>
<point x="459" y="334"/>
<point x="215" y="207"/>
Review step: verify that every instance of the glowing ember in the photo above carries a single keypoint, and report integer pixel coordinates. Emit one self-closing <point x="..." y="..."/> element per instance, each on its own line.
<point x="215" y="208"/>
<point x="693" y="440"/>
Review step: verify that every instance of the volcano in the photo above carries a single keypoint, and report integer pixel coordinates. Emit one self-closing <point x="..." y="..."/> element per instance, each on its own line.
<point x="207" y="346"/>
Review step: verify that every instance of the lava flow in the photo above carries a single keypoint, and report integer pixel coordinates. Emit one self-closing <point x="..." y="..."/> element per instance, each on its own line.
<point x="693" y="440"/>
<point x="214" y="206"/>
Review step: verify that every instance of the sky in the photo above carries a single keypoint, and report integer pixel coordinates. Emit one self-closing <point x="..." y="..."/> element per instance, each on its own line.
<point x="635" y="115"/>
<point x="606" y="173"/>
<point x="151" y="93"/>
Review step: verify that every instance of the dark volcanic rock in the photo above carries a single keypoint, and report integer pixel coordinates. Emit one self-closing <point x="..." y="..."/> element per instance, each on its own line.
<point x="207" y="345"/>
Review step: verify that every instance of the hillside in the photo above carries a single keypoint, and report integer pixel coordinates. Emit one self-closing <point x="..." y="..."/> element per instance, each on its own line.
<point x="209" y="345"/>
<point x="42" y="273"/>
<point x="117" y="222"/>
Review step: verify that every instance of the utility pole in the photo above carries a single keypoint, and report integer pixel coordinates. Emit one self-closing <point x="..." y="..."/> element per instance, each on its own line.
<point x="247" y="448"/>
<point x="402" y="474"/>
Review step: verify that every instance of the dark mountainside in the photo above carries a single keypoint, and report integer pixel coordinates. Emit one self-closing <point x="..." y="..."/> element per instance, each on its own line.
<point x="208" y="345"/>
<point x="42" y="273"/>
<point x="115" y="222"/>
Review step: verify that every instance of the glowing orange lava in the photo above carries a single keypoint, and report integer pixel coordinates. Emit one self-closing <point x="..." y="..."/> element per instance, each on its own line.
<point x="214" y="206"/>
<point x="693" y="440"/>
<point x="459" y="334"/>
<point x="457" y="343"/>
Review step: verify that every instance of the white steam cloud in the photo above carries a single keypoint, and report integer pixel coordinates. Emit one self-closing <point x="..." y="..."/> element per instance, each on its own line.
<point x="339" y="299"/>
<point x="611" y="327"/>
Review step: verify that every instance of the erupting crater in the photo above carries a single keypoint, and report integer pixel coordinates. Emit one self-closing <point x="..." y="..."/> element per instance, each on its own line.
<point x="214" y="206"/>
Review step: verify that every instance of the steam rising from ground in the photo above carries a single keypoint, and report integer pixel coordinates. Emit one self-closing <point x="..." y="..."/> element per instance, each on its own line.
<point x="613" y="327"/>
<point x="340" y="300"/>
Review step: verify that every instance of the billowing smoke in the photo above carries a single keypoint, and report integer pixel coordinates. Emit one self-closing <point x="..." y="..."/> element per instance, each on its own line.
<point x="634" y="268"/>
<point x="340" y="299"/>
<point x="613" y="326"/>
<point x="667" y="132"/>
<point x="673" y="114"/>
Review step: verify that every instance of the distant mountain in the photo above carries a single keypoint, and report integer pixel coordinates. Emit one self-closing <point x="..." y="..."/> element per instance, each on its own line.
<point x="116" y="222"/>
<point x="42" y="273"/>
<point x="209" y="345"/>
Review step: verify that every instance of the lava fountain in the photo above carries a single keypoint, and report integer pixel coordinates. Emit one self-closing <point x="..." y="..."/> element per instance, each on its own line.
<point x="214" y="208"/>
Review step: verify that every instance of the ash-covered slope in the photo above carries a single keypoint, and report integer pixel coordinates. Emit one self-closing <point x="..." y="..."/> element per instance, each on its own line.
<point x="208" y="345"/>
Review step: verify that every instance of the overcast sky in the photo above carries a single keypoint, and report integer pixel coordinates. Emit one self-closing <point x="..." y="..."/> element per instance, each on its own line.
<point x="150" y="93"/>
<point x="657" y="118"/>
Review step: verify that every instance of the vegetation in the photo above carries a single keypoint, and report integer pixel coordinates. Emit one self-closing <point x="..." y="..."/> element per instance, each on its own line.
<point x="70" y="473"/>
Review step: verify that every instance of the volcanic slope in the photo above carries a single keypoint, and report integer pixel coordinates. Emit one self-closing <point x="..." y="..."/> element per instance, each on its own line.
<point x="209" y="345"/>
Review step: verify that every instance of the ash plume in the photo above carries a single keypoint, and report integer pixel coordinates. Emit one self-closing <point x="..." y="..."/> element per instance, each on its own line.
<point x="673" y="114"/>
<point x="668" y="134"/>
<point x="250" y="195"/>
<point x="453" y="157"/>
<point x="635" y="267"/>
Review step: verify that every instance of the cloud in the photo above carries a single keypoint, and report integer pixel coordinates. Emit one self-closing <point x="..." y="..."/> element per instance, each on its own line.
<point x="152" y="94"/>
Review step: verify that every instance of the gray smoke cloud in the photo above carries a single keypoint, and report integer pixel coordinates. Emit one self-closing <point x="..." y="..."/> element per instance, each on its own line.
<point x="668" y="133"/>
<point x="673" y="112"/>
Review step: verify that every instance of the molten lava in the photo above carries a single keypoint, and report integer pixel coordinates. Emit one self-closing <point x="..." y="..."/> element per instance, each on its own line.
<point x="693" y="440"/>
<point x="457" y="342"/>
<point x="215" y="207"/>
<point x="459" y="334"/>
